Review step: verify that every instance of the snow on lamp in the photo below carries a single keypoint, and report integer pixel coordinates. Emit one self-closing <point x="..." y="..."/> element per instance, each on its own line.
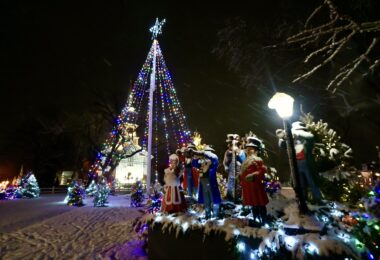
<point x="283" y="104"/>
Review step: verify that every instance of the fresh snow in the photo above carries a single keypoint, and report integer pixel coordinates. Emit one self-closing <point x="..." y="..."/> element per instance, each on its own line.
<point x="46" y="228"/>
<point x="272" y="238"/>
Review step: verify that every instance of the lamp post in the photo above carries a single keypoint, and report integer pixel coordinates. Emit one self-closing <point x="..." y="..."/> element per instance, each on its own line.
<point x="283" y="104"/>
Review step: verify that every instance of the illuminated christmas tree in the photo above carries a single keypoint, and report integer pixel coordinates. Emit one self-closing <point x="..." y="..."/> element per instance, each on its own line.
<point x="91" y="189"/>
<point x="333" y="161"/>
<point x="372" y="201"/>
<point x="31" y="188"/>
<point x="137" y="195"/>
<point x="152" y="103"/>
<point x="101" y="195"/>
<point x="75" y="194"/>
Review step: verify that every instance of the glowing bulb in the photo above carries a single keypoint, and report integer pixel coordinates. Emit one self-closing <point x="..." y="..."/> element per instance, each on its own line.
<point x="236" y="232"/>
<point x="311" y="248"/>
<point x="240" y="246"/>
<point x="290" y="242"/>
<point x="283" y="104"/>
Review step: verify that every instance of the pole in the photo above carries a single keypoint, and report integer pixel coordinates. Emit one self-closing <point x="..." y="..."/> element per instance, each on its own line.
<point x="151" y="90"/>
<point x="294" y="168"/>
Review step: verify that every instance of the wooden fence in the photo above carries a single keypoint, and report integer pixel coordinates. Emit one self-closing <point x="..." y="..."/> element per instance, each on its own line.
<point x="61" y="190"/>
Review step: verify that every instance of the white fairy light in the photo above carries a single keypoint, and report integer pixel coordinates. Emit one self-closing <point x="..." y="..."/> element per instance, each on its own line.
<point x="311" y="248"/>
<point x="345" y="237"/>
<point x="290" y="242"/>
<point x="185" y="226"/>
<point x="236" y="232"/>
<point x="240" y="246"/>
<point x="281" y="232"/>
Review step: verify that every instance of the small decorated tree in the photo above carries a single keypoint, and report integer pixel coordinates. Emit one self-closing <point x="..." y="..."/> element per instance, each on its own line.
<point x="367" y="233"/>
<point x="137" y="195"/>
<point x="30" y="186"/>
<point x="329" y="152"/>
<point x="112" y="185"/>
<point x="154" y="202"/>
<point x="222" y="185"/>
<point x="75" y="194"/>
<point x="17" y="188"/>
<point x="91" y="189"/>
<point x="333" y="162"/>
<point x="101" y="195"/>
<point x="3" y="190"/>
<point x="17" y="192"/>
<point x="372" y="201"/>
<point x="271" y="182"/>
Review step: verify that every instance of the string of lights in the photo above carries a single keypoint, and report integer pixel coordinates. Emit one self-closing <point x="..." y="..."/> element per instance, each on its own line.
<point x="169" y="121"/>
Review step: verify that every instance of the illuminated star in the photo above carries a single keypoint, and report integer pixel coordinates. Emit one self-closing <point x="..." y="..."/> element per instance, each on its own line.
<point x="157" y="28"/>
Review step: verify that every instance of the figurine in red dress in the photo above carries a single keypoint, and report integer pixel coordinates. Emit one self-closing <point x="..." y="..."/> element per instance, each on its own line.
<point x="174" y="200"/>
<point x="251" y="177"/>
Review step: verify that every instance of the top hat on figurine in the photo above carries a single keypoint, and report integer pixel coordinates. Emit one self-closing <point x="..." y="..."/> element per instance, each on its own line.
<point x="232" y="137"/>
<point x="198" y="152"/>
<point x="253" y="142"/>
<point x="208" y="148"/>
<point x="173" y="157"/>
<point x="191" y="146"/>
<point x="298" y="125"/>
<point x="181" y="151"/>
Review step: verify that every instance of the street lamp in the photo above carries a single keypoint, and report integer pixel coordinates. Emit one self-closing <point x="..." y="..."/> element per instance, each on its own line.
<point x="283" y="104"/>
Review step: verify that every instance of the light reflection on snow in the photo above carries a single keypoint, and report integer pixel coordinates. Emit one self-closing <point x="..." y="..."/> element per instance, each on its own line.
<point x="221" y="222"/>
<point x="170" y="217"/>
<point x="185" y="226"/>
<point x="345" y="237"/>
<point x="62" y="202"/>
<point x="158" y="219"/>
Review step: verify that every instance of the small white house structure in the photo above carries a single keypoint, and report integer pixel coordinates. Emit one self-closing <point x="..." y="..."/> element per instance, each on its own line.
<point x="65" y="177"/>
<point x="133" y="168"/>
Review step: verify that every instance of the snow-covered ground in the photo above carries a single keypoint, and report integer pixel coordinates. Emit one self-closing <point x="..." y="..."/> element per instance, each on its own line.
<point x="46" y="228"/>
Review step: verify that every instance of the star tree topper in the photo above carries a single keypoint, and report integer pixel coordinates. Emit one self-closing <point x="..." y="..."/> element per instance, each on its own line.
<point x="157" y="28"/>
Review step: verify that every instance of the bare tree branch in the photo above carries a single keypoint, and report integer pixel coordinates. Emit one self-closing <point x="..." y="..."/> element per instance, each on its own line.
<point x="332" y="39"/>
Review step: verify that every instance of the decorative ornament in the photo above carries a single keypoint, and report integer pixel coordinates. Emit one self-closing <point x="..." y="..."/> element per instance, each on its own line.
<point x="197" y="140"/>
<point x="349" y="220"/>
<point x="156" y="29"/>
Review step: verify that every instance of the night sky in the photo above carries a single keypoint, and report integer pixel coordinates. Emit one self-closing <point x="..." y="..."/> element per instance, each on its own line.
<point x="55" y="55"/>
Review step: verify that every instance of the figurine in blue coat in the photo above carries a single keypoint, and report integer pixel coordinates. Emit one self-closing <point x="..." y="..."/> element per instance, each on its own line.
<point x="209" y="194"/>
